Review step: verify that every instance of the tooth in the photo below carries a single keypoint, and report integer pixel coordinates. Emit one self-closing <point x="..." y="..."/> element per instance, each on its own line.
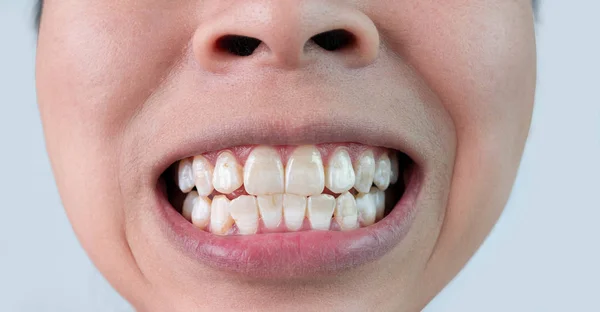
<point x="271" y="210"/>
<point x="304" y="173"/>
<point x="245" y="213"/>
<point x="320" y="209"/>
<point x="185" y="175"/>
<point x="378" y="197"/>
<point x="228" y="173"/>
<point x="203" y="175"/>
<point x="220" y="219"/>
<point x="201" y="212"/>
<point x="395" y="168"/>
<point x="382" y="172"/>
<point x="263" y="172"/>
<point x="188" y="205"/>
<point x="366" y="209"/>
<point x="339" y="174"/>
<point x="294" y="211"/>
<point x="364" y="170"/>
<point x="346" y="213"/>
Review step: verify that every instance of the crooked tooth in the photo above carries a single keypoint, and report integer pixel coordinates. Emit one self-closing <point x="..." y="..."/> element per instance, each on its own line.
<point x="304" y="173"/>
<point x="364" y="170"/>
<point x="339" y="174"/>
<point x="346" y="212"/>
<point x="271" y="210"/>
<point x="320" y="209"/>
<point x="188" y="205"/>
<point x="382" y="172"/>
<point x="220" y="218"/>
<point x="203" y="175"/>
<point x="395" y="168"/>
<point x="294" y="211"/>
<point x="227" y="176"/>
<point x="185" y="175"/>
<point x="378" y="197"/>
<point x="245" y="214"/>
<point x="201" y="212"/>
<point x="366" y="209"/>
<point x="263" y="172"/>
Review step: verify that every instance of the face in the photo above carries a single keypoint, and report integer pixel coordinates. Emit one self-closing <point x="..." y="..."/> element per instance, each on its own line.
<point x="284" y="155"/>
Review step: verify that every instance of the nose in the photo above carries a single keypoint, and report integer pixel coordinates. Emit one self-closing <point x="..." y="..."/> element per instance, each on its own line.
<point x="285" y="34"/>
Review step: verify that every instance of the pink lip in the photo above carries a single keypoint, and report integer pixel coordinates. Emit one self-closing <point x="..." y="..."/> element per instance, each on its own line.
<point x="298" y="254"/>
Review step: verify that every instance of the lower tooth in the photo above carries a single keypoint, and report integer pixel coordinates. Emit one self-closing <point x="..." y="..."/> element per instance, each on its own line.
<point x="271" y="210"/>
<point x="188" y="205"/>
<point x="378" y="197"/>
<point x="294" y="211"/>
<point x="320" y="209"/>
<point x="201" y="212"/>
<point x="366" y="209"/>
<point x="220" y="219"/>
<point x="245" y="213"/>
<point x="346" y="213"/>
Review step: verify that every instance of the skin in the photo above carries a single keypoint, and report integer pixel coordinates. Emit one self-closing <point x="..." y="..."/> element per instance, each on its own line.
<point x="117" y="80"/>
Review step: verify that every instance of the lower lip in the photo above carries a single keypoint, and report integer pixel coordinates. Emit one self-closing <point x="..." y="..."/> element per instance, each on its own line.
<point x="293" y="254"/>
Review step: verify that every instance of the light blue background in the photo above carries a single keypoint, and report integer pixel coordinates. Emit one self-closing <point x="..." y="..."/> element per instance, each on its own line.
<point x="544" y="255"/>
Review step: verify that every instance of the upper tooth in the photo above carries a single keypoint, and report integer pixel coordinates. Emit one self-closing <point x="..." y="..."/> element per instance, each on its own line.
<point x="203" y="175"/>
<point x="188" y="205"/>
<point x="245" y="213"/>
<point x="395" y="168"/>
<point x="294" y="211"/>
<point x="346" y="213"/>
<point x="364" y="171"/>
<point x="304" y="172"/>
<point x="271" y="210"/>
<point x="366" y="209"/>
<point x="228" y="173"/>
<point x="185" y="175"/>
<point x="201" y="212"/>
<point x="220" y="219"/>
<point x="263" y="172"/>
<point x="339" y="175"/>
<point x="379" y="201"/>
<point x="382" y="172"/>
<point x="320" y="210"/>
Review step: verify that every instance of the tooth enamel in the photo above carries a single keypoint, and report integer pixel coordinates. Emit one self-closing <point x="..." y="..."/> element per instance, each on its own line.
<point x="203" y="175"/>
<point x="185" y="175"/>
<point x="228" y="173"/>
<point x="364" y="171"/>
<point x="346" y="213"/>
<point x="271" y="210"/>
<point x="304" y="173"/>
<point x="294" y="211"/>
<point x="220" y="219"/>
<point x="320" y="209"/>
<point x="366" y="209"/>
<point x="339" y="174"/>
<point x="245" y="213"/>
<point x="201" y="212"/>
<point x="188" y="205"/>
<point x="395" y="168"/>
<point x="378" y="197"/>
<point x="382" y="172"/>
<point x="263" y="172"/>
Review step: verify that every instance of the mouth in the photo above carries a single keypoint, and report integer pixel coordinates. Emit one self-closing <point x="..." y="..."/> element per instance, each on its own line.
<point x="290" y="211"/>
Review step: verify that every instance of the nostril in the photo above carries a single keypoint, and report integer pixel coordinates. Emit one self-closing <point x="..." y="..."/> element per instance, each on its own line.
<point x="238" y="45"/>
<point x="334" y="40"/>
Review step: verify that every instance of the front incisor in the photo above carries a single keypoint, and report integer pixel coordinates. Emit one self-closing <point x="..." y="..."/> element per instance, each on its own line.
<point x="263" y="172"/>
<point x="320" y="208"/>
<point x="304" y="173"/>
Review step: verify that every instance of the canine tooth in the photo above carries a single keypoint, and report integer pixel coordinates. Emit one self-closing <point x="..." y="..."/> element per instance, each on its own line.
<point x="185" y="175"/>
<point x="271" y="209"/>
<point x="339" y="174"/>
<point x="364" y="171"/>
<point x="304" y="173"/>
<point x="294" y="211"/>
<point x="320" y="209"/>
<point x="263" y="172"/>
<point x="383" y="170"/>
<point x="228" y="173"/>
<point x="220" y="218"/>
<point x="346" y="213"/>
<point x="188" y="205"/>
<point x="395" y="168"/>
<point x="378" y="197"/>
<point x="203" y="175"/>
<point x="366" y="209"/>
<point x="201" y="212"/>
<point x="245" y="213"/>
